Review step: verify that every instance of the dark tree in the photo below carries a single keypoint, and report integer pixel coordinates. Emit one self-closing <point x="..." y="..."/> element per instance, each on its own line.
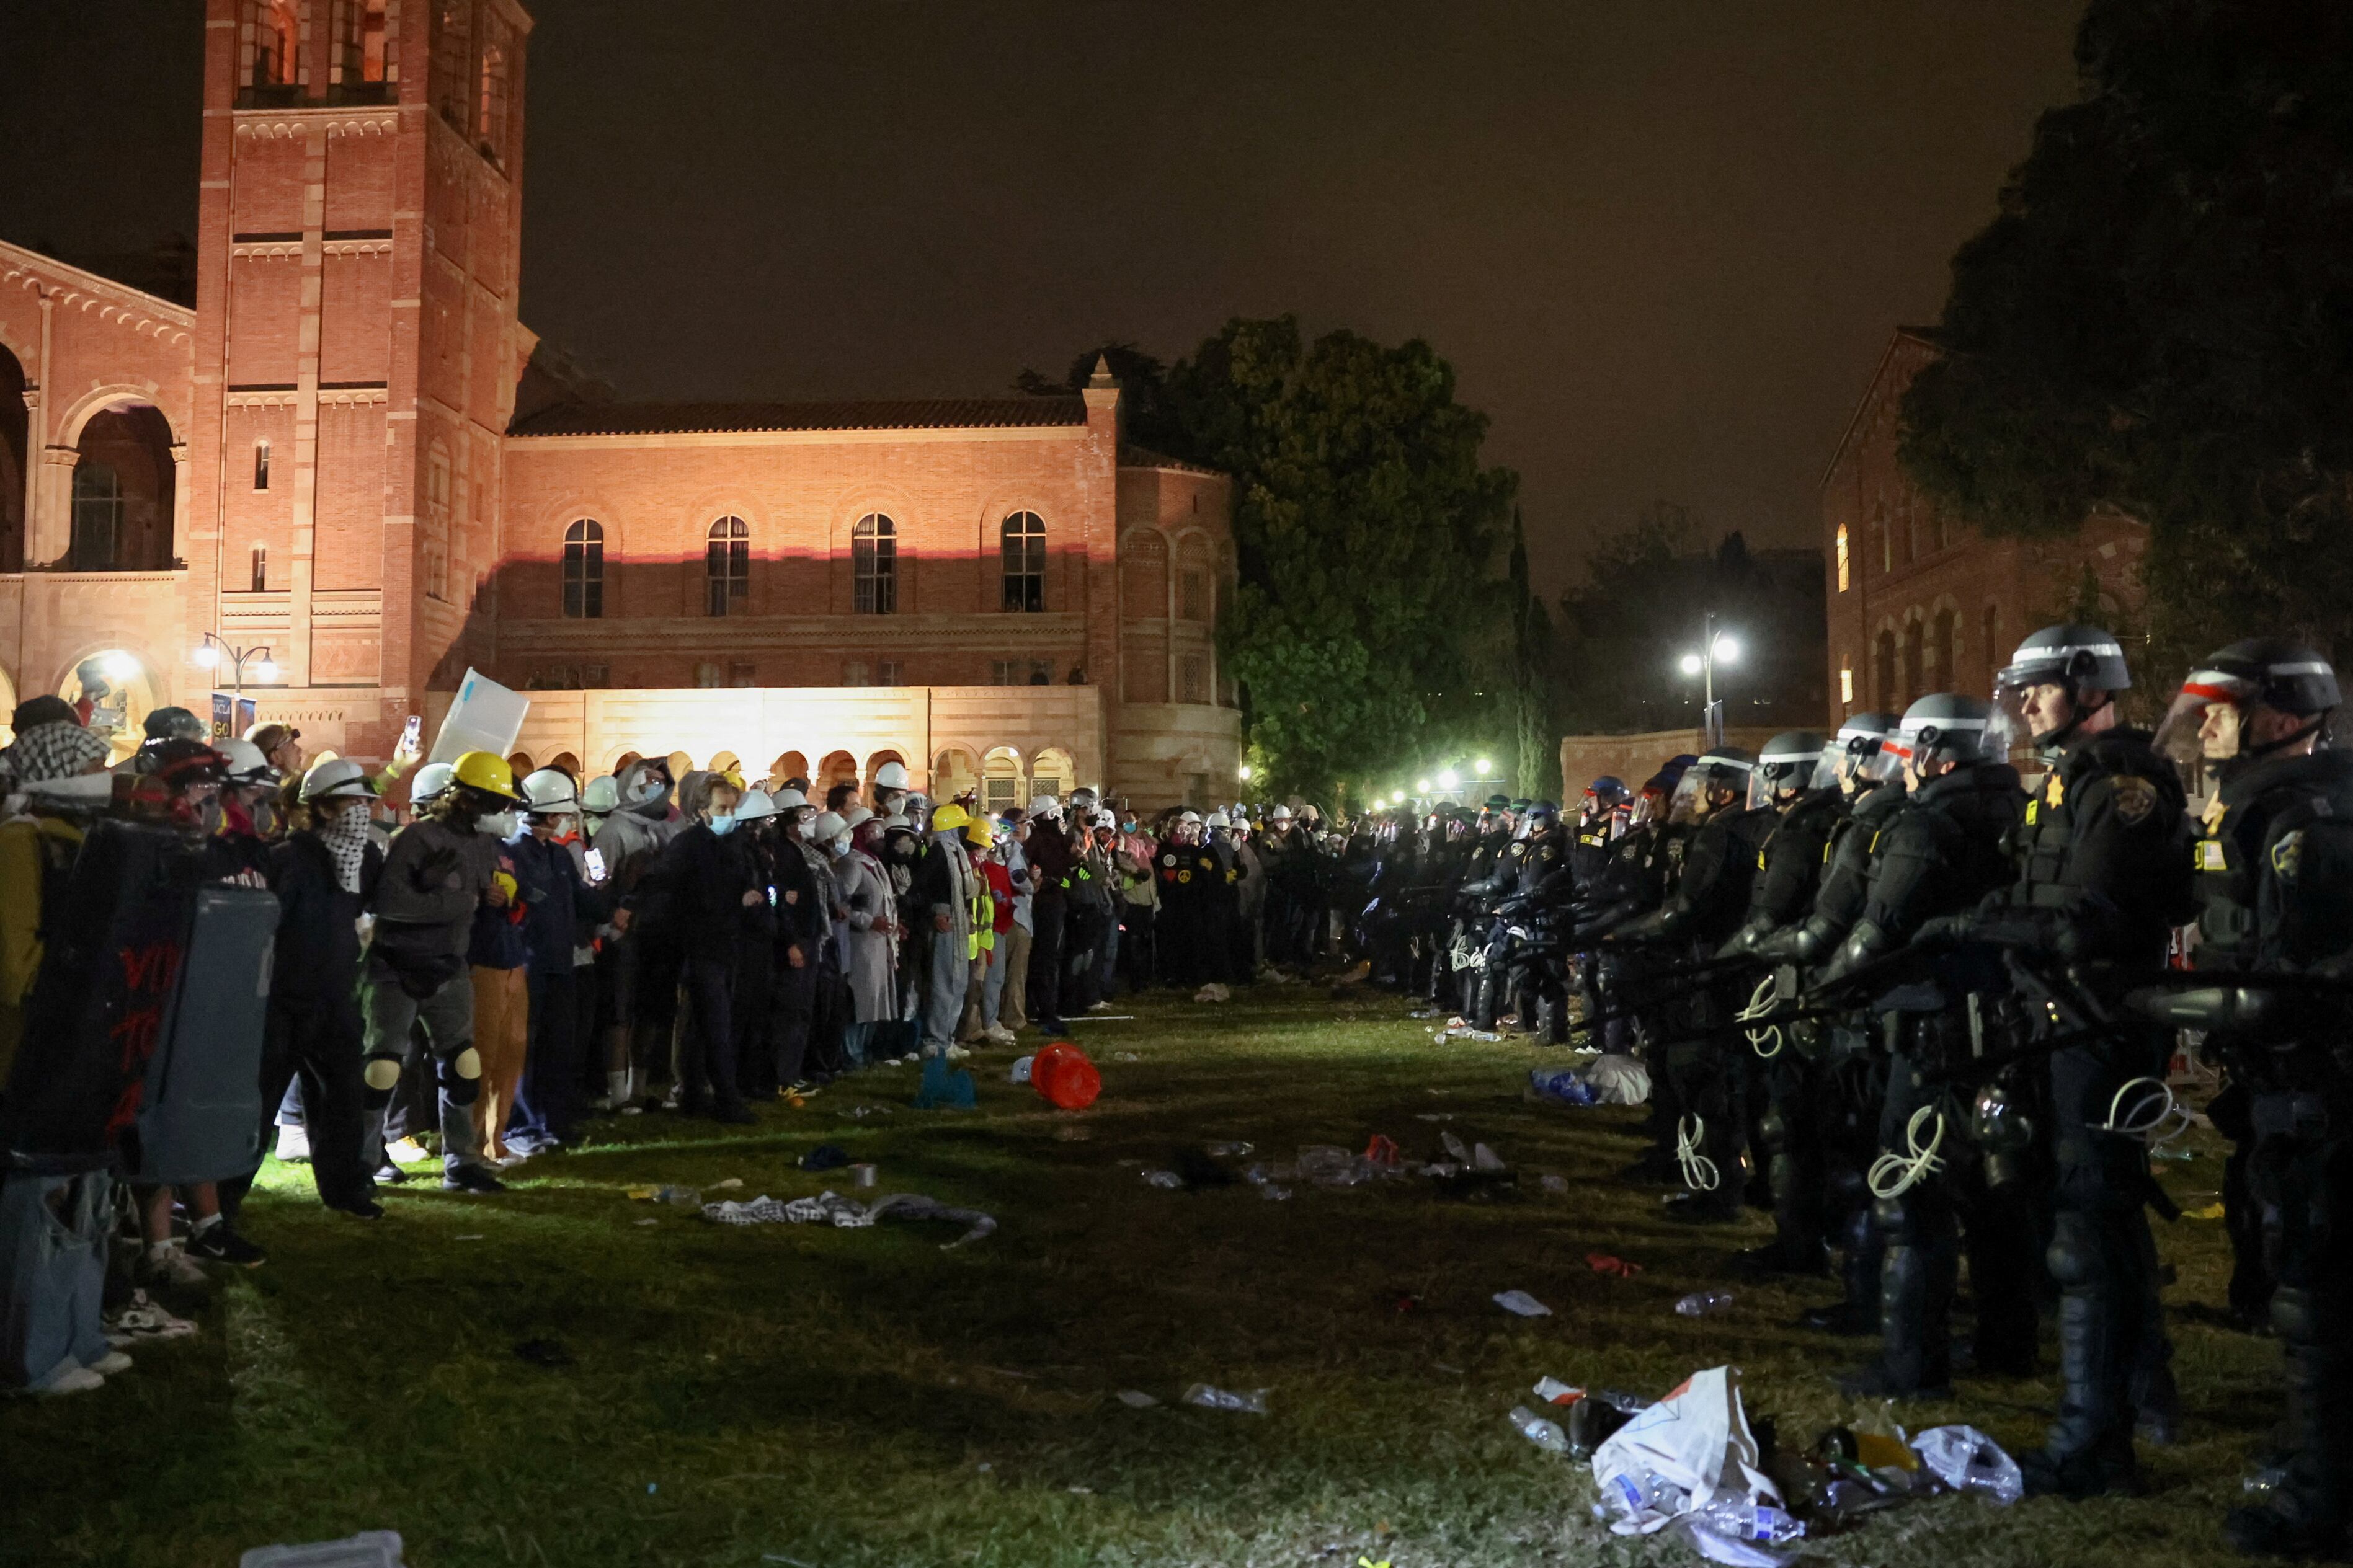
<point x="2160" y="319"/>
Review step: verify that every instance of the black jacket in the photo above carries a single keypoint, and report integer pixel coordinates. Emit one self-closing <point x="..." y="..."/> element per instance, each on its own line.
<point x="317" y="962"/>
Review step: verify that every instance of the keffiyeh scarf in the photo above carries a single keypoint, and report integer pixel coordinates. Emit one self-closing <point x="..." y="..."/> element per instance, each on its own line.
<point x="47" y="751"/>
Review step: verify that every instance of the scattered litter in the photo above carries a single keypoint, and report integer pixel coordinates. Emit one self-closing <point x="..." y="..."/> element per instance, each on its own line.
<point x="833" y="1208"/>
<point x="1689" y="1449"/>
<point x="1274" y="1193"/>
<point x="1433" y="1116"/>
<point x="1228" y="1150"/>
<point x="825" y="1157"/>
<point x="1552" y="1391"/>
<point x="1209" y="1398"/>
<point x="1700" y="1303"/>
<point x="1213" y="991"/>
<point x="548" y="1354"/>
<point x="1484" y="1159"/>
<point x="1552" y="1182"/>
<point x="864" y="1175"/>
<point x="650" y="1222"/>
<point x="1020" y="1072"/>
<point x="1544" y="1434"/>
<point x="1967" y="1460"/>
<point x="730" y="1184"/>
<point x="1083" y="1492"/>
<point x="1067" y="1134"/>
<point x="1064" y="1078"/>
<point x="478" y="1238"/>
<point x="1564" y="1084"/>
<point x="1615" y="1268"/>
<point x="1464" y="1033"/>
<point x="2211" y="1211"/>
<point x="1169" y="1179"/>
<point x="945" y="1087"/>
<point x="1328" y="1165"/>
<point x="1520" y="1302"/>
<point x="860" y="1113"/>
<point x="1383" y="1153"/>
<point x="1126" y="1056"/>
<point x="369" y="1548"/>
<point x="1455" y="1148"/>
<point x="1104" y="1018"/>
<point x="1136" y="1399"/>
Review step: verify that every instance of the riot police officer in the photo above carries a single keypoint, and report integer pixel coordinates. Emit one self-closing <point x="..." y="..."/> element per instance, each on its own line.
<point x="2103" y="875"/>
<point x="2275" y="872"/>
<point x="1942" y="853"/>
<point x="1709" y="902"/>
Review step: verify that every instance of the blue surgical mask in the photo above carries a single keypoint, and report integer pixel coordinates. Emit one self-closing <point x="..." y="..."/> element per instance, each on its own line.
<point x="722" y="823"/>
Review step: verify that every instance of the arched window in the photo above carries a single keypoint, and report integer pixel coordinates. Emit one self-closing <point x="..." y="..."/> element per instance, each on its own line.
<point x="1842" y="566"/>
<point x="97" y="517"/>
<point x="1024" y="561"/>
<point x="875" y="565"/>
<point x="727" y="566"/>
<point x="583" y="570"/>
<point x="272" y="45"/>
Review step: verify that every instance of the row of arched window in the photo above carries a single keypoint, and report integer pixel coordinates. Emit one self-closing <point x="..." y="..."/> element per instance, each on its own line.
<point x="873" y="560"/>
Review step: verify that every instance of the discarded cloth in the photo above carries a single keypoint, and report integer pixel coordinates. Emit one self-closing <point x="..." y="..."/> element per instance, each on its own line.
<point x="848" y="1214"/>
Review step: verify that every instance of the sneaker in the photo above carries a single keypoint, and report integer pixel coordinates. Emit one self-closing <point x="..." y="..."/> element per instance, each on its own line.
<point x="405" y="1151"/>
<point x="169" y="1266"/>
<point x="144" y="1320"/>
<point x="1099" y="1007"/>
<point x="112" y="1363"/>
<point x="999" y="1034"/>
<point x="294" y="1146"/>
<point x="958" y="1053"/>
<point x="220" y="1244"/>
<point x="633" y="1108"/>
<point x="471" y="1179"/>
<point x="360" y="1208"/>
<point x="390" y="1175"/>
<point x="74" y="1380"/>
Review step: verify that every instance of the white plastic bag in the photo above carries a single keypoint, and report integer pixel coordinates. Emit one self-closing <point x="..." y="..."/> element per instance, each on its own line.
<point x="1619" y="1080"/>
<point x="1696" y="1441"/>
<point x="1521" y="1302"/>
<point x="1967" y="1460"/>
<point x="1020" y="1073"/>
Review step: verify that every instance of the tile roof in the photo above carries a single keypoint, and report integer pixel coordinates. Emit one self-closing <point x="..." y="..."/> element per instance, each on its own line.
<point x="1133" y="457"/>
<point x="901" y="414"/>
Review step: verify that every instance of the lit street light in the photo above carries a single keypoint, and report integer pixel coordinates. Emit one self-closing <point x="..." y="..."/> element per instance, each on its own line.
<point x="212" y="650"/>
<point x="1715" y="648"/>
<point x="1243" y="772"/>
<point x="1484" y="766"/>
<point x="1449" y="779"/>
<point x="1422" y="786"/>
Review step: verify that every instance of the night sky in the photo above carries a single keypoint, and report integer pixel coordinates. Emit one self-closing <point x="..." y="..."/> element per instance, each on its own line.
<point x="1664" y="243"/>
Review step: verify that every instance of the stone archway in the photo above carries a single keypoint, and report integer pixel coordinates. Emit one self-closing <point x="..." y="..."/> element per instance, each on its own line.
<point x="113" y="689"/>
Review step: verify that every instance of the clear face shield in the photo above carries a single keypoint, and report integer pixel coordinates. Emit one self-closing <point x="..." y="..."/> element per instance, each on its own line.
<point x="1776" y="780"/>
<point x="2017" y="708"/>
<point x="1885" y="765"/>
<point x="2205" y="721"/>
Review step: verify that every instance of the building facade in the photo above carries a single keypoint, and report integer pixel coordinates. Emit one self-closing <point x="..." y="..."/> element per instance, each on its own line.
<point x="1919" y="600"/>
<point x="330" y="466"/>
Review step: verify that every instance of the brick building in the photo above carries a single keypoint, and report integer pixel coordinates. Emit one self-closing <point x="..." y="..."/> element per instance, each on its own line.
<point x="342" y="455"/>
<point x="1920" y="601"/>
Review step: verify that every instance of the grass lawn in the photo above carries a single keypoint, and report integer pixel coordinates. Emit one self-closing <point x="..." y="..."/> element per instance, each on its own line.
<point x="799" y="1395"/>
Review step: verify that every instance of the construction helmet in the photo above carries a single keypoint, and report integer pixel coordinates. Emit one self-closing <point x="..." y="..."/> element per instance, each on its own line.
<point x="550" y="793"/>
<point x="754" y="805"/>
<point x="247" y="766"/>
<point x="602" y="796"/>
<point x="1045" y="805"/>
<point x="486" y="772"/>
<point x="338" y="778"/>
<point x="891" y="775"/>
<point x="975" y="833"/>
<point x="789" y="799"/>
<point x="950" y="819"/>
<point x="432" y="781"/>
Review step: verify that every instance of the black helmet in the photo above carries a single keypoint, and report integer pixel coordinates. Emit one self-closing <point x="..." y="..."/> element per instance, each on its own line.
<point x="2270" y="672"/>
<point x="1945" y="724"/>
<point x="2077" y="657"/>
<point x="1787" y="765"/>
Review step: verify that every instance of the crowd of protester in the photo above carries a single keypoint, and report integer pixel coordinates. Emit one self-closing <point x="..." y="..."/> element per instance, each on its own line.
<point x="475" y="973"/>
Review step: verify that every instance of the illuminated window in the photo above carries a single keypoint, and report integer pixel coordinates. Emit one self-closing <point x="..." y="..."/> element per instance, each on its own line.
<point x="261" y="465"/>
<point x="727" y="566"/>
<point x="1024" y="548"/>
<point x="1846" y="684"/>
<point x="583" y="570"/>
<point x="1843" y="567"/>
<point x="875" y="565"/>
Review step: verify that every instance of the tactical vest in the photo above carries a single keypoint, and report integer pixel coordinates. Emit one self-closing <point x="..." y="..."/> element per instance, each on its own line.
<point x="2243" y="837"/>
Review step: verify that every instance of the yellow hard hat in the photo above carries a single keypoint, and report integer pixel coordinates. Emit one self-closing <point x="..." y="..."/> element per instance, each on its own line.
<point x="950" y="815"/>
<point x="975" y="833"/>
<point x="486" y="772"/>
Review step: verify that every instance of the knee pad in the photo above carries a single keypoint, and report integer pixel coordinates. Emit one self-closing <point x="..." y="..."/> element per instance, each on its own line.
<point x="1893" y="1219"/>
<point x="460" y="1075"/>
<point x="1774" y="1131"/>
<point x="2074" y="1256"/>
<point x="382" y="1076"/>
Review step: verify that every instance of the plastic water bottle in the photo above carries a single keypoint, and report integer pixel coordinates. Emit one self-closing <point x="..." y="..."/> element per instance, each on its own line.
<point x="1700" y="1303"/>
<point x="1632" y="1494"/>
<point x="1749" y="1521"/>
<point x="1544" y="1434"/>
<point x="678" y="1197"/>
<point x="1563" y="1084"/>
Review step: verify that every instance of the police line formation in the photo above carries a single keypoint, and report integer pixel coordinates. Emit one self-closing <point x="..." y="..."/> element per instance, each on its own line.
<point x="1931" y="1010"/>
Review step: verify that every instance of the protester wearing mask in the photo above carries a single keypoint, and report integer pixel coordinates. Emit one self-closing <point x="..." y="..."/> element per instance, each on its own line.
<point x="753" y="997"/>
<point x="628" y="842"/>
<point x="437" y="872"/>
<point x="804" y="923"/>
<point x="1013" y="994"/>
<point x="556" y="900"/>
<point x="870" y="938"/>
<point x="37" y="844"/>
<point x="942" y="892"/>
<point x="1053" y="866"/>
<point x="709" y="882"/>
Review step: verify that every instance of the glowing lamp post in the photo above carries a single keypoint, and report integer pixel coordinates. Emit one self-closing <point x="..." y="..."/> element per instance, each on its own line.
<point x="1715" y="648"/>
<point x="213" y="651"/>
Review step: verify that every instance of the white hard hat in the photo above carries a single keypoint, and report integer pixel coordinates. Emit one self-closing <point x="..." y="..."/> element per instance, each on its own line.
<point x="1280" y="814"/>
<point x="855" y="815"/>
<point x="1188" y="817"/>
<point x="1105" y="819"/>
<point x="550" y="793"/>
<point x="754" y="805"/>
<point x="891" y="775"/>
<point x="1045" y="805"/>
<point x="433" y="780"/>
<point x="247" y="766"/>
<point x="897" y="819"/>
<point x="786" y="800"/>
<point x="337" y="778"/>
<point x="602" y="796"/>
<point x="828" y="826"/>
<point x="1220" y="819"/>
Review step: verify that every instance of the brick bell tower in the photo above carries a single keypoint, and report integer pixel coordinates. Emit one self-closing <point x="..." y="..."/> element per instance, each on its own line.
<point x="357" y="347"/>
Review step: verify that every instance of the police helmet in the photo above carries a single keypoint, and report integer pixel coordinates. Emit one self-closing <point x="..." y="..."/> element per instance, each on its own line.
<point x="2270" y="672"/>
<point x="1945" y="724"/>
<point x="2079" y="657"/>
<point x="1786" y="766"/>
<point x="1606" y="790"/>
<point x="1857" y="742"/>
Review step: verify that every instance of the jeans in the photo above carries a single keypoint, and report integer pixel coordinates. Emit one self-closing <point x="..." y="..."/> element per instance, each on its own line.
<point x="547" y="1106"/>
<point x="992" y="985"/>
<point x="944" y="991"/>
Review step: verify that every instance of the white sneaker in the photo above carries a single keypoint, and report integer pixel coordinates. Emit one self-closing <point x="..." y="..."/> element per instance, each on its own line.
<point x="405" y="1151"/>
<point x="1099" y="1007"/>
<point x="109" y="1365"/>
<point x="1000" y="1034"/>
<point x="78" y="1380"/>
<point x="169" y="1263"/>
<point x="143" y="1319"/>
<point x="294" y="1146"/>
<point x="958" y="1053"/>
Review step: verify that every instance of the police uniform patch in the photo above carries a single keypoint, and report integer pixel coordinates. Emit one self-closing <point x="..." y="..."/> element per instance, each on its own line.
<point x="2055" y="789"/>
<point x="2287" y="856"/>
<point x="2210" y="856"/>
<point x="2136" y="798"/>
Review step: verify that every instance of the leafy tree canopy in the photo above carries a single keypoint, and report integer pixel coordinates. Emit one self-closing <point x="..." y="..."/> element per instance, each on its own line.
<point x="2160" y="319"/>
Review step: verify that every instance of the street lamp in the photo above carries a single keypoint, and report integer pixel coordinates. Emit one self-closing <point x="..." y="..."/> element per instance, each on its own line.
<point x="1449" y="778"/>
<point x="1485" y="767"/>
<point x="213" y="650"/>
<point x="1396" y="797"/>
<point x="1243" y="772"/>
<point x="1714" y="647"/>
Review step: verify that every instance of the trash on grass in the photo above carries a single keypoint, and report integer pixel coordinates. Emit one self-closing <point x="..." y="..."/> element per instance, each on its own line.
<point x="2211" y="1211"/>
<point x="1232" y="1148"/>
<point x="945" y="1087"/>
<point x="1064" y="1078"/>
<point x="677" y="1197"/>
<point x="1213" y="991"/>
<point x="1169" y="1179"/>
<point x="1614" y="1267"/>
<point x="1455" y="1148"/>
<point x="369" y="1548"/>
<point x="1383" y="1153"/>
<point x="1686" y="1451"/>
<point x="1967" y="1460"/>
<point x="1700" y="1303"/>
<point x="825" y="1157"/>
<point x="1126" y="1056"/>
<point x="728" y="1186"/>
<point x="1552" y="1182"/>
<point x="1209" y="1398"/>
<point x="1274" y="1193"/>
<point x="1520" y="1302"/>
<point x="1329" y="1165"/>
<point x="848" y="1214"/>
<point x="1020" y="1072"/>
<point x="1565" y="1085"/>
<point x="1544" y="1434"/>
<point x="1485" y="1158"/>
<point x="1136" y="1399"/>
<point x="1552" y="1391"/>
